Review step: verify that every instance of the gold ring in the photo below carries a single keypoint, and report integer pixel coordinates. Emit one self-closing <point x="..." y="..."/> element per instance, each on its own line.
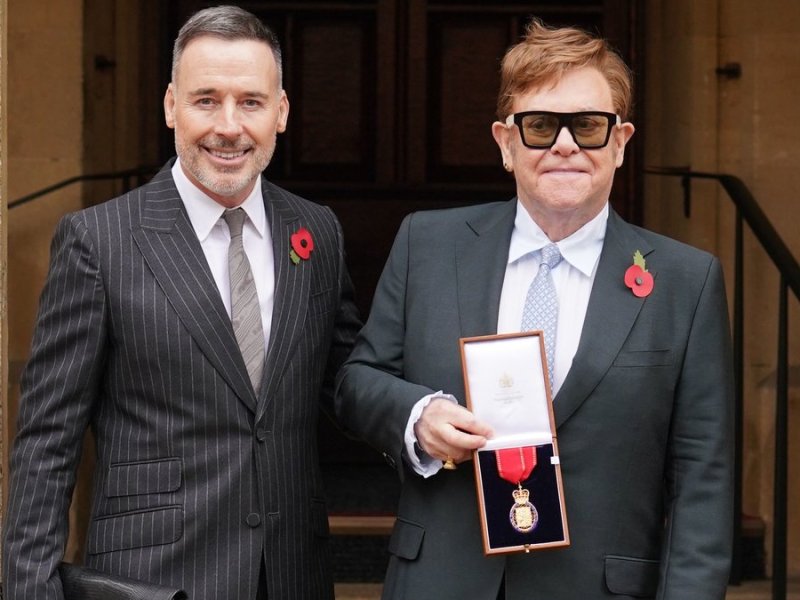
<point x="449" y="464"/>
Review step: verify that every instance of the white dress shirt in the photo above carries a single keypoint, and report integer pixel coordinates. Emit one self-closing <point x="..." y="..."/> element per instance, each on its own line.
<point x="573" y="278"/>
<point x="205" y="215"/>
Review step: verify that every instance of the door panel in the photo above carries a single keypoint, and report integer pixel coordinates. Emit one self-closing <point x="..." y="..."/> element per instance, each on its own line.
<point x="392" y="103"/>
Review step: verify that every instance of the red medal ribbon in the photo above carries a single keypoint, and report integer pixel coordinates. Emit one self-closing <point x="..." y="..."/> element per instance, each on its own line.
<point x="516" y="464"/>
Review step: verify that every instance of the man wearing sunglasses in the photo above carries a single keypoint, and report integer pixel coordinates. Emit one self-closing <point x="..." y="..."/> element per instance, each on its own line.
<point x="637" y="345"/>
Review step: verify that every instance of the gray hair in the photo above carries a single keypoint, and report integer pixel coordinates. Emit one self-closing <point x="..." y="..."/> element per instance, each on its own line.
<point x="229" y="23"/>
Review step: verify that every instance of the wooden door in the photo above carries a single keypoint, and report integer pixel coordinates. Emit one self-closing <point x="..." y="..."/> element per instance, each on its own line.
<point x="391" y="107"/>
<point x="392" y="103"/>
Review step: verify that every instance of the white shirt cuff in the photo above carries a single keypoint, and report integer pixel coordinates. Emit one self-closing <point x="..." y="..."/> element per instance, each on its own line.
<point x="422" y="463"/>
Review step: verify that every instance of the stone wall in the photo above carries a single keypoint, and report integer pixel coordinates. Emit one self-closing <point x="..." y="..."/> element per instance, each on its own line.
<point x="743" y="126"/>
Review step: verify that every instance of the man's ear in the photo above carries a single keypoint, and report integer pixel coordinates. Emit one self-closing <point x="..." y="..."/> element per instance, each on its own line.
<point x="622" y="134"/>
<point x="501" y="135"/>
<point x="283" y="112"/>
<point x="169" y="106"/>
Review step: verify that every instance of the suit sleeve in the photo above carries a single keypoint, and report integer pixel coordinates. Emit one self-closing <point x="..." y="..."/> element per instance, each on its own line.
<point x="347" y="322"/>
<point x="373" y="399"/>
<point x="58" y="389"/>
<point x="699" y="478"/>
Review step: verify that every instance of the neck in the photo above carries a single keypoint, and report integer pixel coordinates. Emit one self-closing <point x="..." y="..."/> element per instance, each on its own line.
<point x="562" y="224"/>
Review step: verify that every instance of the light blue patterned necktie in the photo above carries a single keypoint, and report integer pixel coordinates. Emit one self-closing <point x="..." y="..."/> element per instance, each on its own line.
<point x="245" y="308"/>
<point x="541" y="305"/>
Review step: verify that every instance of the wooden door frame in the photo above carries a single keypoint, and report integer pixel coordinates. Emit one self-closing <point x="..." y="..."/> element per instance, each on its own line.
<point x="5" y="433"/>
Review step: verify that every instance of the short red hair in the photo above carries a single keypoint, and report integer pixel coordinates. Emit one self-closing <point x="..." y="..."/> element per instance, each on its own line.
<point x="546" y="53"/>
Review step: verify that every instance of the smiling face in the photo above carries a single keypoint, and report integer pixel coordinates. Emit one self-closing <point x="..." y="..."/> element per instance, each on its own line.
<point x="564" y="187"/>
<point x="226" y="107"/>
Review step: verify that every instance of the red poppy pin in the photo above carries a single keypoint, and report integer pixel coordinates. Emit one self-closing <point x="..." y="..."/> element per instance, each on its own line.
<point x="302" y="245"/>
<point x="638" y="278"/>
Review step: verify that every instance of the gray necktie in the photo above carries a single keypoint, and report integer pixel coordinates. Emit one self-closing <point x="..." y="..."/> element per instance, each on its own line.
<point x="541" y="305"/>
<point x="245" y="309"/>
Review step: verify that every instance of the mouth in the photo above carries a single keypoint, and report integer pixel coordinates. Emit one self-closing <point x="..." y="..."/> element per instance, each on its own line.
<point x="227" y="158"/>
<point x="228" y="155"/>
<point x="565" y="172"/>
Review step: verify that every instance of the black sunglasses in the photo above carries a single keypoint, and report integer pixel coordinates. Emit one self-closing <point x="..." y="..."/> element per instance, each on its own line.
<point x="539" y="129"/>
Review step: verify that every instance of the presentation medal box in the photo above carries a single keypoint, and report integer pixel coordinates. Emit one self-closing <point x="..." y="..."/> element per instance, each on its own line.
<point x="517" y="473"/>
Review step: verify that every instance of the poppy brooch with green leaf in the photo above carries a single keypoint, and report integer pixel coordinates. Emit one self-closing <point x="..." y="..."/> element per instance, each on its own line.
<point x="301" y="245"/>
<point x="638" y="278"/>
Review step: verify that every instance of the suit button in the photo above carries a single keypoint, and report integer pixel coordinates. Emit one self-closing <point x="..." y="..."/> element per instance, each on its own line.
<point x="262" y="434"/>
<point x="253" y="520"/>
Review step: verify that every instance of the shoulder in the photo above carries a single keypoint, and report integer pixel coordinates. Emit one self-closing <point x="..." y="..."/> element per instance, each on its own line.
<point x="129" y="206"/>
<point x="282" y="200"/>
<point x="110" y="224"/>
<point x="657" y="247"/>
<point x="461" y="214"/>
<point x="675" y="251"/>
<point x="111" y="219"/>
<point x="452" y="220"/>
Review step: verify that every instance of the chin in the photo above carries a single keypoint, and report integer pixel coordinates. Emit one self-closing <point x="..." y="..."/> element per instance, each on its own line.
<point x="566" y="199"/>
<point x="229" y="189"/>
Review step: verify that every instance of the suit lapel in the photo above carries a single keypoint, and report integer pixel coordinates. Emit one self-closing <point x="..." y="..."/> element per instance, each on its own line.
<point x="481" y="258"/>
<point x="292" y="288"/>
<point x="611" y="313"/>
<point x="173" y="253"/>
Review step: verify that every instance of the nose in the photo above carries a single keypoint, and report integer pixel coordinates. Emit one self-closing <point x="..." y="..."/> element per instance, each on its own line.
<point x="565" y="143"/>
<point x="228" y="123"/>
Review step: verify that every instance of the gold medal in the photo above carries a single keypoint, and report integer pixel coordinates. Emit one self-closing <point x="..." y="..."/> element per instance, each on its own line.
<point x="523" y="515"/>
<point x="515" y="465"/>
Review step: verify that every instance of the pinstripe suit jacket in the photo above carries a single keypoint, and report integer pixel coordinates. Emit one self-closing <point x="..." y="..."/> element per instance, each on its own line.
<point x="644" y="418"/>
<point x="197" y="478"/>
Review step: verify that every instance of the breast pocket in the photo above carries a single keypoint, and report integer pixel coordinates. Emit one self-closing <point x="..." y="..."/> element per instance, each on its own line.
<point x="644" y="358"/>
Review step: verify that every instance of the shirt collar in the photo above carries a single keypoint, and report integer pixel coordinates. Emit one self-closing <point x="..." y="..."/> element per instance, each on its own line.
<point x="204" y="212"/>
<point x="581" y="249"/>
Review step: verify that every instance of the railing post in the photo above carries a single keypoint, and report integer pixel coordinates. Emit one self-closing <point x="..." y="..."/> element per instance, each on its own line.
<point x="780" y="498"/>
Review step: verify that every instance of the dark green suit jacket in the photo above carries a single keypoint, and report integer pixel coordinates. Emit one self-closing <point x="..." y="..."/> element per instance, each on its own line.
<point x="644" y="417"/>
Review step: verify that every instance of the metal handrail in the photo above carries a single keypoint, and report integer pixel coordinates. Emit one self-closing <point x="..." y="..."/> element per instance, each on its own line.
<point x="126" y="175"/>
<point x="745" y="203"/>
<point x="748" y="210"/>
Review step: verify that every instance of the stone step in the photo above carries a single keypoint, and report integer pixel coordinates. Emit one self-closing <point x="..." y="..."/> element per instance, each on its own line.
<point x="361" y="524"/>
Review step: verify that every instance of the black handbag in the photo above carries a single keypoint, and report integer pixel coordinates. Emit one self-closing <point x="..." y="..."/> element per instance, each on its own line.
<point x="82" y="583"/>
